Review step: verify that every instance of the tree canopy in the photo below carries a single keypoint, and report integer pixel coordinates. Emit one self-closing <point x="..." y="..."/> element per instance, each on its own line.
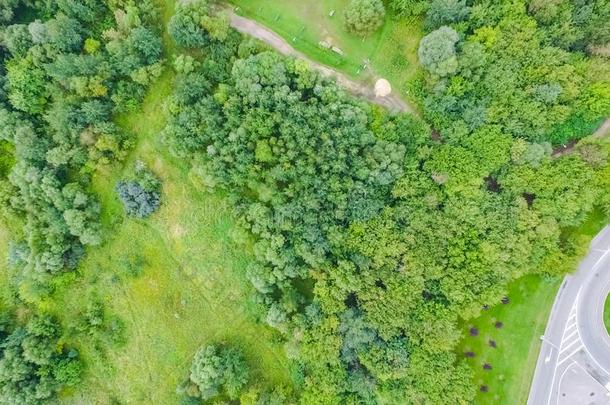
<point x="372" y="238"/>
<point x="363" y="17"/>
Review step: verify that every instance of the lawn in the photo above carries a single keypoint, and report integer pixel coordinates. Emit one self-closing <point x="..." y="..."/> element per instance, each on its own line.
<point x="514" y="359"/>
<point x="176" y="280"/>
<point x="190" y="289"/>
<point x="391" y="52"/>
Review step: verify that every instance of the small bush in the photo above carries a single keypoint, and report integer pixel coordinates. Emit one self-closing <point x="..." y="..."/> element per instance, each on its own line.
<point x="132" y="265"/>
<point x="141" y="195"/>
<point x="217" y="370"/>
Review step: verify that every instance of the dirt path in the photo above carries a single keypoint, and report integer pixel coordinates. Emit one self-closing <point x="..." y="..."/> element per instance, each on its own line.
<point x="392" y="102"/>
<point x="256" y="30"/>
<point x="603" y="130"/>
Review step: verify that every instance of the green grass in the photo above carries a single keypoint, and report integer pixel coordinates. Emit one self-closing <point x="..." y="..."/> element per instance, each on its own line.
<point x="192" y="290"/>
<point x="607" y="313"/>
<point x="4" y="275"/>
<point x="593" y="224"/>
<point x="518" y="341"/>
<point x="392" y="50"/>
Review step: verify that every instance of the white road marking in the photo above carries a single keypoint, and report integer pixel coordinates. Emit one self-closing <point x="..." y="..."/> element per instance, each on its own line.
<point x="571" y="354"/>
<point x="600" y="259"/>
<point x="568" y="328"/>
<point x="564" y="348"/>
<point x="560" y="380"/>
<point x="572" y="334"/>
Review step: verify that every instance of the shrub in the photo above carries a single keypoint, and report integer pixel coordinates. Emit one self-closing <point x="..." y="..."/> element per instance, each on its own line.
<point x="363" y="17"/>
<point x="218" y="370"/>
<point x="34" y="365"/>
<point x="141" y="195"/>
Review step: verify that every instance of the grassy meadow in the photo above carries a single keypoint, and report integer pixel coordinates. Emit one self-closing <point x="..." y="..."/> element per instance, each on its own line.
<point x="176" y="281"/>
<point x="513" y="360"/>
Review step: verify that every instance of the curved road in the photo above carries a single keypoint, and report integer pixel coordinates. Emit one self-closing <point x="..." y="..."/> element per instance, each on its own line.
<point x="592" y="299"/>
<point x="574" y="362"/>
<point x="259" y="31"/>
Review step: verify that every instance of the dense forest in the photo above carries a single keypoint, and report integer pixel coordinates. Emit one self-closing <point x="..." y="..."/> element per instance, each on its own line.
<point x="375" y="233"/>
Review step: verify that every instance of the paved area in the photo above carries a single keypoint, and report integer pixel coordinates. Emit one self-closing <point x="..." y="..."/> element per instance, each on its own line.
<point x="574" y="362"/>
<point x="259" y="31"/>
<point x="577" y="387"/>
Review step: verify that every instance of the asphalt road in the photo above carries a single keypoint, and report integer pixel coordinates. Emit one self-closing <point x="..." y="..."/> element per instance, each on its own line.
<point x="573" y="366"/>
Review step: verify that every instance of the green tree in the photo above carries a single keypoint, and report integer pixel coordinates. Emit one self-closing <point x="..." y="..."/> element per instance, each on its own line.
<point x="28" y="86"/>
<point x="408" y="8"/>
<point x="17" y="39"/>
<point x="193" y="25"/>
<point x="444" y="12"/>
<point x="218" y="370"/>
<point x="363" y="17"/>
<point x="437" y="51"/>
<point x="34" y="367"/>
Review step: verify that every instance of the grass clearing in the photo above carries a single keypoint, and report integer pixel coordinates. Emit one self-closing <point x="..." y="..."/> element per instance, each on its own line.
<point x="175" y="280"/>
<point x="513" y="361"/>
<point x="391" y="52"/>
<point x="191" y="290"/>
<point x="5" y="300"/>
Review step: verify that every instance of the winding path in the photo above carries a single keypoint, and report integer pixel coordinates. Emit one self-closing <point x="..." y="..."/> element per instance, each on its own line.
<point x="259" y="31"/>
